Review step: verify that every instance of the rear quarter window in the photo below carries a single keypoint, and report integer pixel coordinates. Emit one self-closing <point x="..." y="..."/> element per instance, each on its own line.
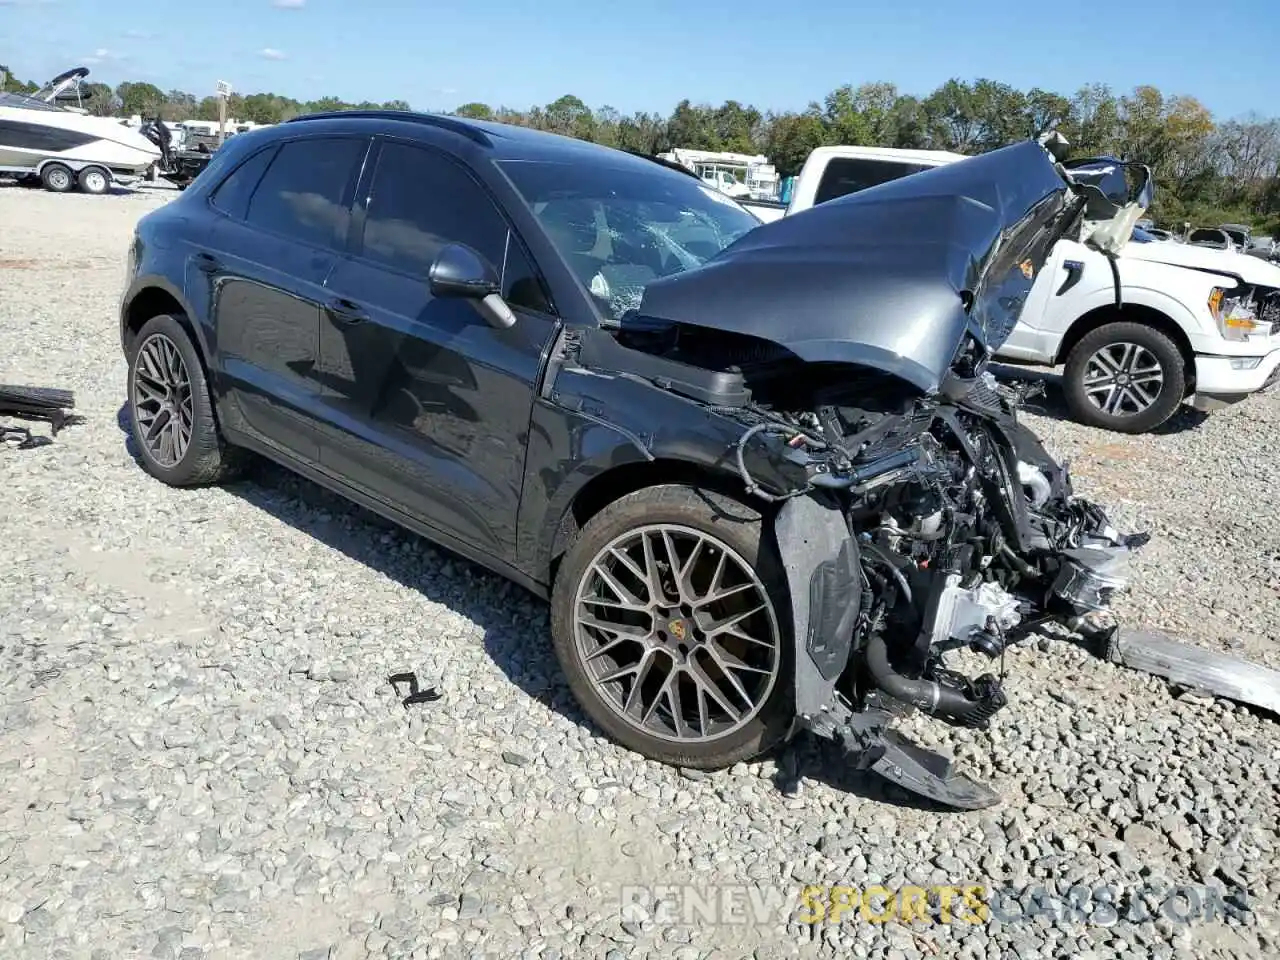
<point x="232" y="195"/>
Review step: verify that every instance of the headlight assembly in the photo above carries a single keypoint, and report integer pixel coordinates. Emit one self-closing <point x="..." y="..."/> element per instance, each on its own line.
<point x="1235" y="315"/>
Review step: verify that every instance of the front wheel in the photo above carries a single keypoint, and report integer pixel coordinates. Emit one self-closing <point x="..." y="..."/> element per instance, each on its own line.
<point x="669" y="617"/>
<point x="1126" y="377"/>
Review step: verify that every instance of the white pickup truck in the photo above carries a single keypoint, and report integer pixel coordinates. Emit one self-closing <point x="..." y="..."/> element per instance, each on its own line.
<point x="1193" y="324"/>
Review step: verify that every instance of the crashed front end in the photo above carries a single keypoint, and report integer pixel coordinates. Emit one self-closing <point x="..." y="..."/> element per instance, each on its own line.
<point x="914" y="515"/>
<point x="966" y="536"/>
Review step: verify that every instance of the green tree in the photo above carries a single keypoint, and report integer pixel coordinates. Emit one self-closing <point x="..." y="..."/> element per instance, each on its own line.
<point x="143" y="99"/>
<point x="476" y="111"/>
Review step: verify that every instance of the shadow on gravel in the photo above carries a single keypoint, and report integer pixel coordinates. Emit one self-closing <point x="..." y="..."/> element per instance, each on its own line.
<point x="124" y="423"/>
<point x="515" y="623"/>
<point x="1053" y="405"/>
<point x="516" y="631"/>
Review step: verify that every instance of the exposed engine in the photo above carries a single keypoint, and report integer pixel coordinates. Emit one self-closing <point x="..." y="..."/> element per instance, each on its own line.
<point x="968" y="534"/>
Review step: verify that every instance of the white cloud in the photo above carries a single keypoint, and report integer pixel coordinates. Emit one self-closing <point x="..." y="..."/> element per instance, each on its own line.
<point x="289" y="4"/>
<point x="270" y="53"/>
<point x="103" y="55"/>
<point x="139" y="35"/>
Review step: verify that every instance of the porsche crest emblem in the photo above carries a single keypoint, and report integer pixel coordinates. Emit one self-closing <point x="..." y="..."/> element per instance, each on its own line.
<point x="678" y="630"/>
<point x="1028" y="269"/>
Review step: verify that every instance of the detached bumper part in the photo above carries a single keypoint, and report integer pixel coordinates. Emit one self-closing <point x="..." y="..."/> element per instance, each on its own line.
<point x="871" y="746"/>
<point x="929" y="774"/>
<point x="1196" y="668"/>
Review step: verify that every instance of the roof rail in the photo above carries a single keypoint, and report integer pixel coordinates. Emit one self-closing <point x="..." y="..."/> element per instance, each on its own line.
<point x="404" y="116"/>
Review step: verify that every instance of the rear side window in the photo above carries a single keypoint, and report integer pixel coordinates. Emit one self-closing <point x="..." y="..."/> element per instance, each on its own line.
<point x="232" y="195"/>
<point x="846" y="175"/>
<point x="304" y="193"/>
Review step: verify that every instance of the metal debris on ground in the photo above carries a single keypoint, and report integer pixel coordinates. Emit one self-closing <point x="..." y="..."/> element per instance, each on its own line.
<point x="416" y="695"/>
<point x="34" y="403"/>
<point x="1198" y="669"/>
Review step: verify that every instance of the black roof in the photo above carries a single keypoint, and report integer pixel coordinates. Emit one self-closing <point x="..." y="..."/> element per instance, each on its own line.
<point x="503" y="141"/>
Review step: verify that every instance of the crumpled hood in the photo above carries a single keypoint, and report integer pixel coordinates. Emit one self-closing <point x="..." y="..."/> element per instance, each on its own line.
<point x="882" y="277"/>
<point x="1247" y="268"/>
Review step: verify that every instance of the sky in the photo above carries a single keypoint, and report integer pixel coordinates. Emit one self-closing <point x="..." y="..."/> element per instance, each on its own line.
<point x="652" y="54"/>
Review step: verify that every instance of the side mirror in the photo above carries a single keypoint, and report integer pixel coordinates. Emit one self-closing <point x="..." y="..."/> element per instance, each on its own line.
<point x="460" y="272"/>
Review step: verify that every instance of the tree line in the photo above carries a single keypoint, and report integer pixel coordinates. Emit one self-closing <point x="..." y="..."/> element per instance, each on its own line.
<point x="1207" y="171"/>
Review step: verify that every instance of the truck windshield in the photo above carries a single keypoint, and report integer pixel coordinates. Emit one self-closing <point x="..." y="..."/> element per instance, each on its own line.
<point x="620" y="228"/>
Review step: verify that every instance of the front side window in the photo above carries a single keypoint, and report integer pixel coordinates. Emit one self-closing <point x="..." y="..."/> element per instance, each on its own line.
<point x="846" y="175"/>
<point x="304" y="192"/>
<point x="619" y="227"/>
<point x="422" y="201"/>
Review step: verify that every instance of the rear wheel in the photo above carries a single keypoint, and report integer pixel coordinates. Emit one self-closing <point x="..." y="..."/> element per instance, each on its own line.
<point x="57" y="178"/>
<point x="172" y="418"/>
<point x="94" y="180"/>
<point x="1126" y="377"/>
<point x="669" y="617"/>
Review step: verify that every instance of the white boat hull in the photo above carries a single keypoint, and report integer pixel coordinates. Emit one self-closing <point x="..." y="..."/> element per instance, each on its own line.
<point x="31" y="138"/>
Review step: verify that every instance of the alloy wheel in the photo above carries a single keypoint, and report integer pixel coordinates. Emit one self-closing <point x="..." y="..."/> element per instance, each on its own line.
<point x="95" y="182"/>
<point x="677" y="634"/>
<point x="1123" y="379"/>
<point x="60" y="180"/>
<point x="162" y="405"/>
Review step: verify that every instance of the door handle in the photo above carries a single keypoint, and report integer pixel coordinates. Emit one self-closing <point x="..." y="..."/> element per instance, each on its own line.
<point x="207" y="262"/>
<point x="344" y="311"/>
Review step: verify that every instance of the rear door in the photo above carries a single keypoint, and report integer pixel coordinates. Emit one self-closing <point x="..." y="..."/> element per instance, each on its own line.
<point x="286" y="214"/>
<point x="429" y="406"/>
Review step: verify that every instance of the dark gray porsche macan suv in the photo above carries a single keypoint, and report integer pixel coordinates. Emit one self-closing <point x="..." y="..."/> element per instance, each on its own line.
<point x="760" y="471"/>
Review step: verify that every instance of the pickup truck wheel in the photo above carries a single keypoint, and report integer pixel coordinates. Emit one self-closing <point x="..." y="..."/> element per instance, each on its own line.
<point x="1126" y="377"/>
<point x="171" y="413"/>
<point x="669" y="616"/>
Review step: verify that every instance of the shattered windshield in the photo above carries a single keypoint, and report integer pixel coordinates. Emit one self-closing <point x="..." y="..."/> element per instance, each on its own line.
<point x="621" y="228"/>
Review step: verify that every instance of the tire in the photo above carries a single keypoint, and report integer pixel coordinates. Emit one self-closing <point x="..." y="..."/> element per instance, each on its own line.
<point x="57" y="178"/>
<point x="205" y="457"/>
<point x="94" y="181"/>
<point x="687" y="514"/>
<point x="1123" y="350"/>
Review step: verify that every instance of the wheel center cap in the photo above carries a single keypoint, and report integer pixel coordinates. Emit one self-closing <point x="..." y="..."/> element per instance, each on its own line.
<point x="1122" y="379"/>
<point x="679" y="629"/>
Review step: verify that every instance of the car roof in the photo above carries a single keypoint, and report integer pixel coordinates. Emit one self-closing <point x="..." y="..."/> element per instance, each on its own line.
<point x="502" y="141"/>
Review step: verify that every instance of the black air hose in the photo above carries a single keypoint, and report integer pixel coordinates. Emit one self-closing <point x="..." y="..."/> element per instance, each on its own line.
<point x="936" y="699"/>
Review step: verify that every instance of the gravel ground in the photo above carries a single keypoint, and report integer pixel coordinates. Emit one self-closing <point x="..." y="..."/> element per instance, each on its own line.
<point x="201" y="756"/>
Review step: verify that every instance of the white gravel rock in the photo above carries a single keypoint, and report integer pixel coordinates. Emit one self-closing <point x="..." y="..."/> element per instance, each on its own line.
<point x="201" y="755"/>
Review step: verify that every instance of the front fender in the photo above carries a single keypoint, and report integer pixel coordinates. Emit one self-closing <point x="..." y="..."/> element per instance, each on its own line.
<point x="823" y="572"/>
<point x="592" y="424"/>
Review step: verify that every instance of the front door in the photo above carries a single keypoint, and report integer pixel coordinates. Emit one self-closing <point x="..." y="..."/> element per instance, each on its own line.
<point x="267" y="259"/>
<point x="429" y="406"/>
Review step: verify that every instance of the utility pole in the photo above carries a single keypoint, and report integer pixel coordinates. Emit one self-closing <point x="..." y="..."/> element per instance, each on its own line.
<point x="224" y="93"/>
